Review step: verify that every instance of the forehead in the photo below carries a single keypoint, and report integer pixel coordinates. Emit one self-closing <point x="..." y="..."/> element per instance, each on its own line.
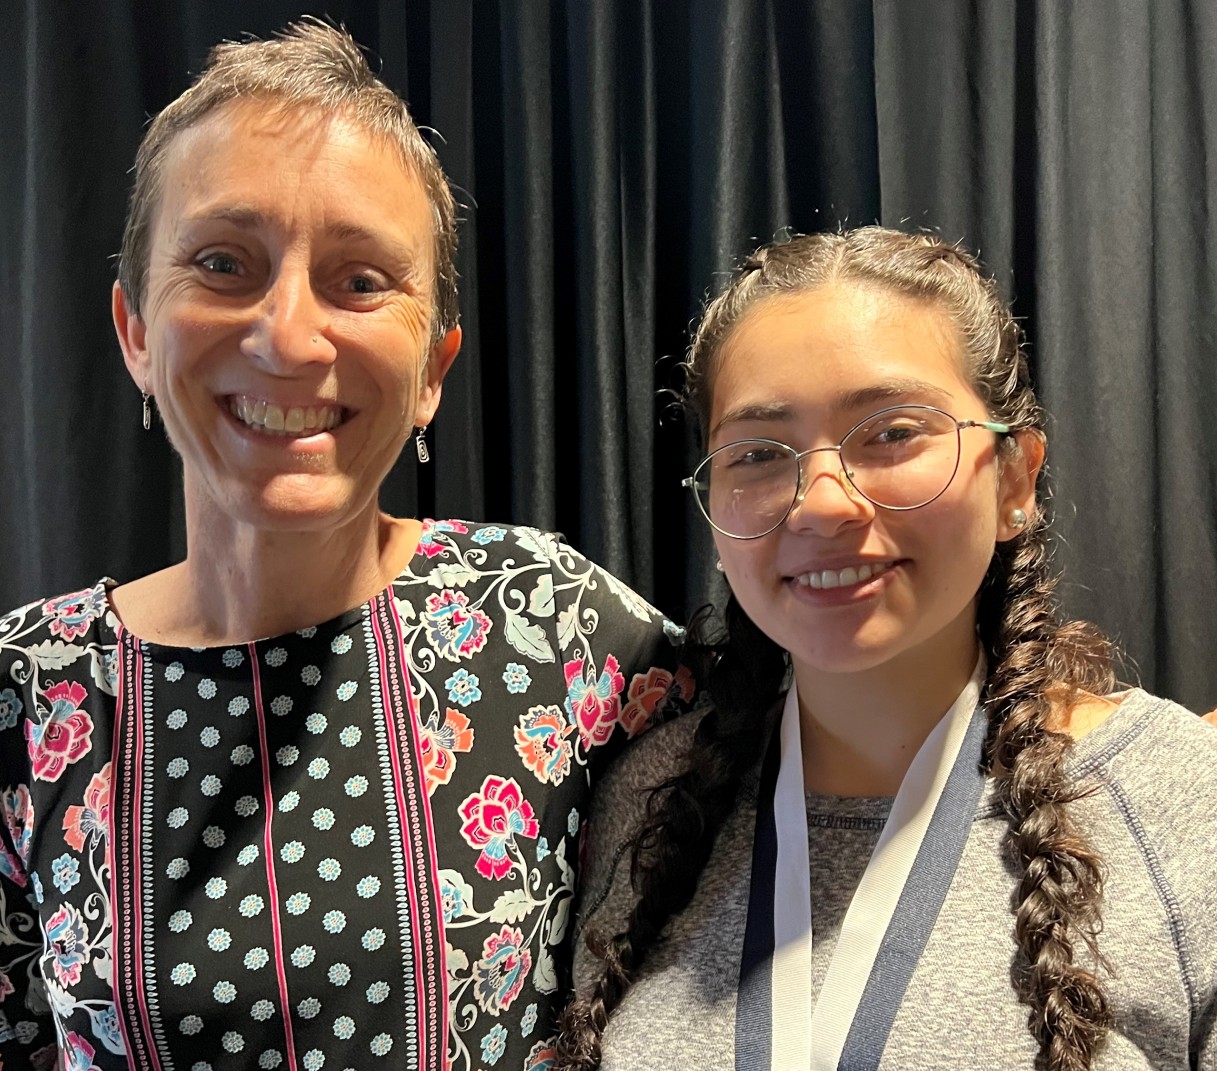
<point x="815" y="350"/>
<point x="292" y="169"/>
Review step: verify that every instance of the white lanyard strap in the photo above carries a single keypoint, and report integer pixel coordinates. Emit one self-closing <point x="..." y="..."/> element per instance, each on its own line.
<point x="889" y="918"/>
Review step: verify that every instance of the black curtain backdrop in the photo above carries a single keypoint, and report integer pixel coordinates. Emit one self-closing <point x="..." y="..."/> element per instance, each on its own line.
<point x="613" y="159"/>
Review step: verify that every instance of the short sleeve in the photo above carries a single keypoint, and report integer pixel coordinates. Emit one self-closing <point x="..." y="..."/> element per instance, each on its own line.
<point x="620" y="656"/>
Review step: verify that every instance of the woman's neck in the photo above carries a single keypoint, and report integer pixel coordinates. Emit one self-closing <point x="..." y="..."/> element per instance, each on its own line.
<point x="239" y="583"/>
<point x="861" y="731"/>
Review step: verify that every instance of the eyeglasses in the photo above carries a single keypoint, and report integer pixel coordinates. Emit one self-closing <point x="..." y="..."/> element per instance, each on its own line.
<point x="899" y="459"/>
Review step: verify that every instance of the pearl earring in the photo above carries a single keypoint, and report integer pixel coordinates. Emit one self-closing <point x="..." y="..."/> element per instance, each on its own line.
<point x="719" y="565"/>
<point x="1017" y="519"/>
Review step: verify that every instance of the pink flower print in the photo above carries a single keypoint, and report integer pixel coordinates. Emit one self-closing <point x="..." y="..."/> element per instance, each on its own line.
<point x="541" y="742"/>
<point x="64" y="737"/>
<point x="427" y="545"/>
<point x="594" y="702"/>
<point x="93" y="819"/>
<point x="78" y="1054"/>
<point x="69" y="942"/>
<point x="6" y="986"/>
<point x="453" y="629"/>
<point x="498" y="977"/>
<point x="72" y="614"/>
<point x="439" y="747"/>
<point x="494" y="817"/>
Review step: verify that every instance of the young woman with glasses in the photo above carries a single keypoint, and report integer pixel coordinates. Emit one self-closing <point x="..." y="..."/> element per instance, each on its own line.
<point x="918" y="827"/>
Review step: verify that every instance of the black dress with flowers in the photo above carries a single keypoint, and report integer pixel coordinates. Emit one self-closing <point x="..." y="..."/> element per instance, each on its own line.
<point x="350" y="847"/>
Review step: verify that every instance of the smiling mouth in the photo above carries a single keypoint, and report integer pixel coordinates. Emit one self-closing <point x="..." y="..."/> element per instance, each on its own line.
<point x="841" y="578"/>
<point x="272" y="419"/>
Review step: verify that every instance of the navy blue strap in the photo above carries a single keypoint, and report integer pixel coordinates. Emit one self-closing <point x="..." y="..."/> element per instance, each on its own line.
<point x="754" y="1005"/>
<point x="919" y="904"/>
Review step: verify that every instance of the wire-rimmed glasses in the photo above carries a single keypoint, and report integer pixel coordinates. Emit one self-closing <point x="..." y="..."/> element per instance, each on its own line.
<point x="899" y="458"/>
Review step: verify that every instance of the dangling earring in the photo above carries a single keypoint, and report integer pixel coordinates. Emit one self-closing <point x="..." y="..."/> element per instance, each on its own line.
<point x="147" y="410"/>
<point x="420" y="444"/>
<point x="1017" y="519"/>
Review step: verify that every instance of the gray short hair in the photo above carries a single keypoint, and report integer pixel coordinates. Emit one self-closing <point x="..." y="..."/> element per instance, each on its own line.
<point x="310" y="64"/>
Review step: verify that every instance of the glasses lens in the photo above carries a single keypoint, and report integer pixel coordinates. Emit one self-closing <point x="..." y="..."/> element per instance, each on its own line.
<point x="902" y="458"/>
<point x="746" y="488"/>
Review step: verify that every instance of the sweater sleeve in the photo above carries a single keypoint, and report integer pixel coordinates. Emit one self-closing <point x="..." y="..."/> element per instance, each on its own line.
<point x="1165" y="788"/>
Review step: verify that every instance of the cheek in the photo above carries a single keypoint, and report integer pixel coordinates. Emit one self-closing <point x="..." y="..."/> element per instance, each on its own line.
<point x="746" y="565"/>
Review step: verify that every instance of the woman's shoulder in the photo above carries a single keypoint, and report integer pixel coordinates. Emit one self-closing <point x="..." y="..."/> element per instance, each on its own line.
<point x="449" y="548"/>
<point x="1154" y="763"/>
<point x="55" y="627"/>
<point x="1152" y="740"/>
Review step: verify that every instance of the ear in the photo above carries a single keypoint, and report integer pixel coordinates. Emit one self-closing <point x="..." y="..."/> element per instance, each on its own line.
<point x="1016" y="485"/>
<point x="439" y="360"/>
<point x="132" y="337"/>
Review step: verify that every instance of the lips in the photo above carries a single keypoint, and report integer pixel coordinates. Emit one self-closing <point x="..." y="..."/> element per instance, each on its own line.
<point x="273" y="419"/>
<point x="823" y="579"/>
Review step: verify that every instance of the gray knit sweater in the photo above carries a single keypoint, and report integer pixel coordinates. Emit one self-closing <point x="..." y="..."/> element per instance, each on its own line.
<point x="1152" y="818"/>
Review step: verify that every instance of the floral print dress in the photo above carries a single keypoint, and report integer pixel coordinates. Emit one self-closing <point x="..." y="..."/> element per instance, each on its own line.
<point x="349" y="847"/>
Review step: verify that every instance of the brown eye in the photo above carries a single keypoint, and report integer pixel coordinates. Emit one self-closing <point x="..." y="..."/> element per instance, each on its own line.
<point x="221" y="264"/>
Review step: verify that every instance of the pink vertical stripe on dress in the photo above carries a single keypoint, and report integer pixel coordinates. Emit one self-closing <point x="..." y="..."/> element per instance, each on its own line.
<point x="268" y="850"/>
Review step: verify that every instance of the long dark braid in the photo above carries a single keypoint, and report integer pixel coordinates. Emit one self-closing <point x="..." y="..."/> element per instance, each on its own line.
<point x="1037" y="665"/>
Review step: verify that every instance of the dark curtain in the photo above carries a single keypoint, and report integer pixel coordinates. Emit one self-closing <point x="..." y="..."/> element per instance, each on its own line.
<point x="613" y="159"/>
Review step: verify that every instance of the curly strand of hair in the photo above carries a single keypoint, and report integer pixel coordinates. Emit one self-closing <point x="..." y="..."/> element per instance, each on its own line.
<point x="743" y="672"/>
<point x="1031" y="655"/>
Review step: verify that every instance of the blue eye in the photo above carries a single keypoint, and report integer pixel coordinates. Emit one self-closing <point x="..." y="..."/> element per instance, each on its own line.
<point x="366" y="283"/>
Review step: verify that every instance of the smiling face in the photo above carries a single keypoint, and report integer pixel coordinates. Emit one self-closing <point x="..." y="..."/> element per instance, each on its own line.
<point x="285" y="326"/>
<point x="843" y="585"/>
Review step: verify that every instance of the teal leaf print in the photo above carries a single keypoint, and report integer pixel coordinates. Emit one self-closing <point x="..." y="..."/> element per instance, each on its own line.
<point x="510" y="907"/>
<point x="541" y="601"/>
<point x="528" y="638"/>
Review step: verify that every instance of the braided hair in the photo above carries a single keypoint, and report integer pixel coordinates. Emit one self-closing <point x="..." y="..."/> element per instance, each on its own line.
<point x="1036" y="661"/>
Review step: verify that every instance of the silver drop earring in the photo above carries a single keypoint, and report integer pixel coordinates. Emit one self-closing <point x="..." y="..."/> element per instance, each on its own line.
<point x="147" y="410"/>
<point x="1018" y="519"/>
<point x="420" y="444"/>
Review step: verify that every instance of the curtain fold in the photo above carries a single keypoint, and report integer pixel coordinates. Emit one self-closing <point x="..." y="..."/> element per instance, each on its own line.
<point x="612" y="161"/>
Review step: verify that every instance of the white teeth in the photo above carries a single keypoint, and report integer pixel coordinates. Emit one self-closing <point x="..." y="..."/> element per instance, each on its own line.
<point x="842" y="578"/>
<point x="275" y="420"/>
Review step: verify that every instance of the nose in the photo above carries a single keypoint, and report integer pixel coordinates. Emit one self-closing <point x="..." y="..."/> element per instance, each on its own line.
<point x="827" y="501"/>
<point x="290" y="326"/>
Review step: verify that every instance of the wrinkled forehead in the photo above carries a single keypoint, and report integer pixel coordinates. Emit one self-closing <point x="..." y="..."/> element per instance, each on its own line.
<point x="243" y="148"/>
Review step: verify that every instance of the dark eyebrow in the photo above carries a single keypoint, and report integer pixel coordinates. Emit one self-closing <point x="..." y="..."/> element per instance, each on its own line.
<point x="893" y="390"/>
<point x="778" y="411"/>
<point x="890" y="391"/>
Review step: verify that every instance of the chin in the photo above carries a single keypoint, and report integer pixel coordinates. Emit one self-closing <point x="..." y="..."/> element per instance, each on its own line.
<point x="294" y="509"/>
